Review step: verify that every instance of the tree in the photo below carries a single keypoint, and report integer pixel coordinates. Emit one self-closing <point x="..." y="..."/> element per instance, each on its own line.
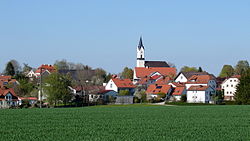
<point x="241" y="67"/>
<point x="123" y="93"/>
<point x="200" y="69"/>
<point x="189" y="69"/>
<point x="184" y="98"/>
<point x="127" y="73"/>
<point x="62" y="65"/>
<point x="57" y="88"/>
<point x="26" y="68"/>
<point x="10" y="70"/>
<point x="242" y="95"/>
<point x="24" y="88"/>
<point x="227" y="71"/>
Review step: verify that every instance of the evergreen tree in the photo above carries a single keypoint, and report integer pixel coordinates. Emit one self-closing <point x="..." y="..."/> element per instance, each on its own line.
<point x="200" y="69"/>
<point x="10" y="70"/>
<point x="242" y="95"/>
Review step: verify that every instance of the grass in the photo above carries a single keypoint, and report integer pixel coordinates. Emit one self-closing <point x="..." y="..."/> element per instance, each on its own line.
<point x="127" y="122"/>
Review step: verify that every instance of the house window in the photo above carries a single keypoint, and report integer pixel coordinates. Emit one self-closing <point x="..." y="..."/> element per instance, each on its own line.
<point x="230" y="80"/>
<point x="234" y="80"/>
<point x="227" y="85"/>
<point x="230" y="92"/>
<point x="232" y="85"/>
<point x="227" y="92"/>
<point x="111" y="85"/>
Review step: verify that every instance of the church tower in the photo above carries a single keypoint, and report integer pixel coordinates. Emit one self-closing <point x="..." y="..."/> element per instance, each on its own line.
<point x="140" y="55"/>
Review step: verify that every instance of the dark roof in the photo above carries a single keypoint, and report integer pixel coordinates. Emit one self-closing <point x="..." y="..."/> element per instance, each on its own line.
<point x="140" y="44"/>
<point x="190" y="74"/>
<point x="156" y="64"/>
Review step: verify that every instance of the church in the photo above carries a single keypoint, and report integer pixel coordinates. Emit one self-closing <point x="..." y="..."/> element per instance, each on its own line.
<point x="148" y="72"/>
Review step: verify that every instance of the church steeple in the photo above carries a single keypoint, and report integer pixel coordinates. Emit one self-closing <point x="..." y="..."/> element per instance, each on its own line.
<point x="140" y="54"/>
<point x="140" y="44"/>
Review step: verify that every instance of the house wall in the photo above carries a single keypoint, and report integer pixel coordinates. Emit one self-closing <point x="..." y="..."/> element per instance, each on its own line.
<point x="196" y="96"/>
<point x="229" y="86"/>
<point x="181" y="78"/>
<point x="111" y="86"/>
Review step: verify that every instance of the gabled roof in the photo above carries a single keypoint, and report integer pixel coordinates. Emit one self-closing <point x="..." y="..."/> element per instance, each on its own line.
<point x="123" y="83"/>
<point x="141" y="72"/>
<point x="198" y="88"/>
<point x="44" y="67"/>
<point x="236" y="76"/>
<point x="156" y="64"/>
<point x="190" y="74"/>
<point x="202" y="79"/>
<point x="178" y="84"/>
<point x="178" y="90"/>
<point x="4" y="92"/>
<point x="155" y="89"/>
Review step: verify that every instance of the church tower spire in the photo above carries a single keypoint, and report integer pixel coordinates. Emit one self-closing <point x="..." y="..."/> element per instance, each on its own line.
<point x="140" y="54"/>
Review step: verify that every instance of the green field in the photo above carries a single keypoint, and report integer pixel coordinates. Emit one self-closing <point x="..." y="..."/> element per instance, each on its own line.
<point x="127" y="123"/>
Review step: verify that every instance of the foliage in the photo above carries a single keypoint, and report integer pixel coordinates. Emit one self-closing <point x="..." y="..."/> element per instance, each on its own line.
<point x="200" y="69"/>
<point x="10" y="70"/>
<point x="227" y="71"/>
<point x="241" y="67"/>
<point x="100" y="123"/>
<point x="24" y="88"/>
<point x="127" y="73"/>
<point x="123" y="93"/>
<point x="184" y="98"/>
<point x="242" y="95"/>
<point x="57" y="88"/>
<point x="26" y="68"/>
<point x="189" y="69"/>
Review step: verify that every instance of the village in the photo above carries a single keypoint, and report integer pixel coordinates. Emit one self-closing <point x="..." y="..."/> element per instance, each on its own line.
<point x="148" y="82"/>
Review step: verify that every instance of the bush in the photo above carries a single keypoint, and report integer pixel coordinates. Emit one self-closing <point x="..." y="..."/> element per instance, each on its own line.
<point x="184" y="98"/>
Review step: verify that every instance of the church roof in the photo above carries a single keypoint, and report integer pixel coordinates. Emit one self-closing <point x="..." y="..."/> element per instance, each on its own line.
<point x="141" y="72"/>
<point x="156" y="64"/>
<point x="140" y="44"/>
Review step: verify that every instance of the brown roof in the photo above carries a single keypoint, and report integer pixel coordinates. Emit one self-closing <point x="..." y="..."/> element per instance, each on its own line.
<point x="155" y="89"/>
<point x="4" y="92"/>
<point x="203" y="79"/>
<point x="123" y="83"/>
<point x="198" y="88"/>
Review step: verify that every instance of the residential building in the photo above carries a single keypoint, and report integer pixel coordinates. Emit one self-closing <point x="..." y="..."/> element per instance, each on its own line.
<point x="154" y="90"/>
<point x="229" y="87"/>
<point x="117" y="84"/>
<point x="200" y="94"/>
<point x="8" y="98"/>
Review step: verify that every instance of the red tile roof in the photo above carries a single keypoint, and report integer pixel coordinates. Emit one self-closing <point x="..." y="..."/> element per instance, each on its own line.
<point x="146" y="72"/>
<point x="178" y="84"/>
<point x="198" y="88"/>
<point x="123" y="83"/>
<point x="3" y="77"/>
<point x="236" y="76"/>
<point x="178" y="90"/>
<point x="4" y="92"/>
<point x="155" y="89"/>
<point x="203" y="79"/>
<point x="28" y="98"/>
<point x="43" y="68"/>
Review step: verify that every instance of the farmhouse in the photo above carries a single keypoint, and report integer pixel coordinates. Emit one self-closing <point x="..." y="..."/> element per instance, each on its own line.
<point x="229" y="87"/>
<point x="43" y="70"/>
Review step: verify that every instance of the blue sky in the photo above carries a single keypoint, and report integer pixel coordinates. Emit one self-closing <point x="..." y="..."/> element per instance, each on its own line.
<point x="106" y="33"/>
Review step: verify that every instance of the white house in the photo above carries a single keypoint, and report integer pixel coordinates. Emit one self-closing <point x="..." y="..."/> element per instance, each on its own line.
<point x="229" y="86"/>
<point x="117" y="84"/>
<point x="199" y="94"/>
<point x="8" y="98"/>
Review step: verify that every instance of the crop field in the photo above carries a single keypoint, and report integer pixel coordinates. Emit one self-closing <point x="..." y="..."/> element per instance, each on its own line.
<point x="136" y="122"/>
